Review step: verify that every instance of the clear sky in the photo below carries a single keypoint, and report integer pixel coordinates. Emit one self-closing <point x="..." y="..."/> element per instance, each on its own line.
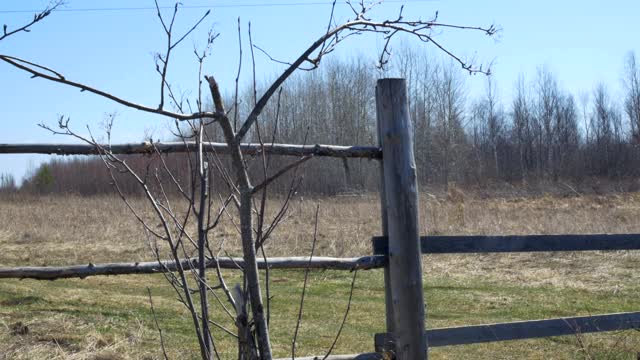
<point x="110" y="45"/>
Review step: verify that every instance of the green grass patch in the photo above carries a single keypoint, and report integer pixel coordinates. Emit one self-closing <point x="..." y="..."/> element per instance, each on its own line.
<point x="114" y="312"/>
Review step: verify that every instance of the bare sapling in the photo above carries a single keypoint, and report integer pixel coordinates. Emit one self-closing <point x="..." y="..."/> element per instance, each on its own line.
<point x="188" y="206"/>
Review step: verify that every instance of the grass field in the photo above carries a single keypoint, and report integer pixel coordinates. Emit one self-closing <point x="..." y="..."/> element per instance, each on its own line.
<point x="110" y="318"/>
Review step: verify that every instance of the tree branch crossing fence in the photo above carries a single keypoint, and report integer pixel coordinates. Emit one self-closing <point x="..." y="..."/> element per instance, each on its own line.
<point x="398" y="250"/>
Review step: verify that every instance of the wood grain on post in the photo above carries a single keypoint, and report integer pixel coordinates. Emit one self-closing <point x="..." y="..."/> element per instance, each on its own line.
<point x="401" y="197"/>
<point x="388" y="301"/>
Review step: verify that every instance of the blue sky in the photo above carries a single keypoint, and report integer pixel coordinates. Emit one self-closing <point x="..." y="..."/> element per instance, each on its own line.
<point x="581" y="42"/>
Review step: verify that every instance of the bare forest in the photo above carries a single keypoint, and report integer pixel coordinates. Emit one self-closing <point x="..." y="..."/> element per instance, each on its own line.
<point x="544" y="134"/>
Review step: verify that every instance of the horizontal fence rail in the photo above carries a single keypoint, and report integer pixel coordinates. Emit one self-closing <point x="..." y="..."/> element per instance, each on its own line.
<point x="437" y="244"/>
<point x="364" y="356"/>
<point x="155" y="267"/>
<point x="460" y="244"/>
<point x="525" y="329"/>
<point x="368" y="152"/>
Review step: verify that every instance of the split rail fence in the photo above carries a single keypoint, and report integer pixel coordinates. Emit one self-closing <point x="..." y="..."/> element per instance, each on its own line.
<point x="398" y="250"/>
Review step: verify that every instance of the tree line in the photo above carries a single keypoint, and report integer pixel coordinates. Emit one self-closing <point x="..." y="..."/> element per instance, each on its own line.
<point x="544" y="133"/>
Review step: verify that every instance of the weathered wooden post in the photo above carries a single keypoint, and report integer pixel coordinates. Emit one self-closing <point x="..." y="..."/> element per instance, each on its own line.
<point x="399" y="198"/>
<point x="388" y="303"/>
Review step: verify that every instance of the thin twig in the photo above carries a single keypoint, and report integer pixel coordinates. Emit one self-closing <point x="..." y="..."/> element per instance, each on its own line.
<point x="236" y="107"/>
<point x="346" y="313"/>
<point x="281" y="172"/>
<point x="17" y="62"/>
<point x="155" y="319"/>
<point x="36" y="18"/>
<point x="304" y="285"/>
<point x="260" y="230"/>
<point x="253" y="67"/>
<point x="419" y="29"/>
<point x="219" y="326"/>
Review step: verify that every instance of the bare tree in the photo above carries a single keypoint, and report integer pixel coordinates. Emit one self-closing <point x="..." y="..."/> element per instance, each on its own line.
<point x="521" y="125"/>
<point x="489" y="113"/>
<point x="567" y="137"/>
<point x="631" y="79"/>
<point x="238" y="195"/>
<point x="602" y="129"/>
<point x="546" y="105"/>
<point x="421" y="71"/>
<point x="449" y="119"/>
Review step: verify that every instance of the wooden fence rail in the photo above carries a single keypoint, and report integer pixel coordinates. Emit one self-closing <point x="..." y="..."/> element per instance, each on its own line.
<point x="440" y="244"/>
<point x="368" y="152"/>
<point x="460" y="244"/>
<point x="155" y="267"/>
<point x="364" y="356"/>
<point x="524" y="329"/>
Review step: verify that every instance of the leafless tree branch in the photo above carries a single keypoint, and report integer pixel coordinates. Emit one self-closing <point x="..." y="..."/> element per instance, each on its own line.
<point x="346" y="314"/>
<point x="155" y="319"/>
<point x="36" y="18"/>
<point x="304" y="285"/>
<point x="59" y="78"/>
<point x="281" y="172"/>
<point x="419" y="29"/>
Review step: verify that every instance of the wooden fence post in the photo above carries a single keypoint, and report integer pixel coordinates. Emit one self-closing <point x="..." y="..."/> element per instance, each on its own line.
<point x="403" y="277"/>
<point x="388" y="302"/>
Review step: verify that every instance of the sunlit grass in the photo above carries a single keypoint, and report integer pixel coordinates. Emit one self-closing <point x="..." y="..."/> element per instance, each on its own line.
<point x="110" y="317"/>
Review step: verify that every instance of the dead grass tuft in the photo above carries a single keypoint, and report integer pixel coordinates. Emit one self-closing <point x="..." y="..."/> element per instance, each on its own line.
<point x="19" y="329"/>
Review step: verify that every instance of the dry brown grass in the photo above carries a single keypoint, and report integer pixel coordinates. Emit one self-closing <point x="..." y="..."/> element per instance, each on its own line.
<point x="61" y="336"/>
<point x="616" y="213"/>
<point x="76" y="230"/>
